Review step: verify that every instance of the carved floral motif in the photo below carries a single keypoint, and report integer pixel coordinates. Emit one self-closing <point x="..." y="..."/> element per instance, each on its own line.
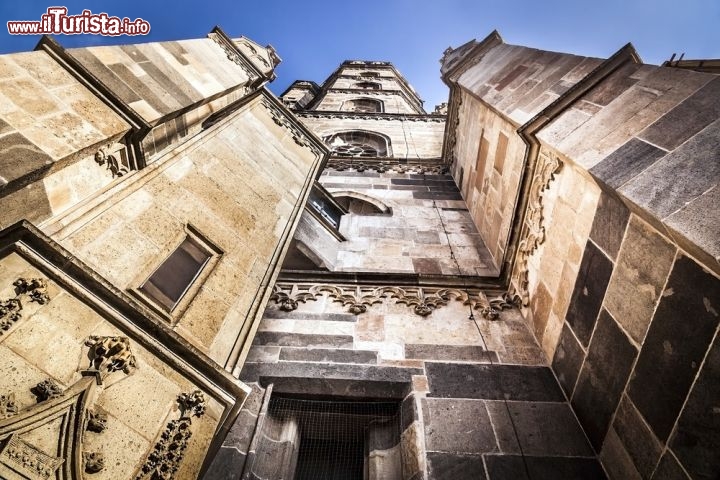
<point x="385" y="167"/>
<point x="34" y="288"/>
<point x="46" y="390"/>
<point x="110" y="354"/>
<point x="422" y="300"/>
<point x="533" y="233"/>
<point x="167" y="454"/>
<point x="8" y="406"/>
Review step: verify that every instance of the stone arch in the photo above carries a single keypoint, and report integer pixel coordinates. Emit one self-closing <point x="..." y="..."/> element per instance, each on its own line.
<point x="359" y="143"/>
<point x="360" y="203"/>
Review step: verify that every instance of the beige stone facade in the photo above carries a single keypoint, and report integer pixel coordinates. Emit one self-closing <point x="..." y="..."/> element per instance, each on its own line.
<point x="199" y="279"/>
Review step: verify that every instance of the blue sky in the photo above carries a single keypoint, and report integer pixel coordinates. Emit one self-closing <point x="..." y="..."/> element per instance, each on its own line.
<point x="314" y="36"/>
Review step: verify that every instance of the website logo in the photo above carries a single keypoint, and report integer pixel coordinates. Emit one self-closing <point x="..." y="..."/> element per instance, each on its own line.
<point x="57" y="22"/>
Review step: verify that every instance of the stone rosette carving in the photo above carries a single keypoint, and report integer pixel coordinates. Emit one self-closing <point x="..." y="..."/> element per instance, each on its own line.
<point x="422" y="300"/>
<point x="46" y="390"/>
<point x="533" y="232"/>
<point x="168" y="453"/>
<point x="110" y="354"/>
<point x="8" y="406"/>
<point x="34" y="289"/>
<point x="94" y="462"/>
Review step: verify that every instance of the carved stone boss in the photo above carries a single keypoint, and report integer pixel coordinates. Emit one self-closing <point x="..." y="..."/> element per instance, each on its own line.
<point x="34" y="289"/>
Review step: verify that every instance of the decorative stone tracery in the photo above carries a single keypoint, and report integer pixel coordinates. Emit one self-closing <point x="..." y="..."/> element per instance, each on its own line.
<point x="386" y="167"/>
<point x="533" y="231"/>
<point x="422" y="300"/>
<point x="34" y="289"/>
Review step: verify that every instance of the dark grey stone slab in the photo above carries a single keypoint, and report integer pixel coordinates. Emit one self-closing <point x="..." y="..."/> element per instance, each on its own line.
<point x="303" y="340"/>
<point x="543" y="429"/>
<point x="493" y="382"/>
<point x="609" y="224"/>
<point x="228" y="464"/>
<point x="603" y="378"/>
<point x="679" y="177"/>
<point x="457" y="426"/>
<point x="408" y="412"/>
<point x="637" y="438"/>
<point x="469" y="353"/>
<point x="590" y="285"/>
<point x="626" y="162"/>
<point x="568" y="360"/>
<point x="369" y="381"/>
<point x="169" y="85"/>
<point x="697" y="439"/>
<point x="295" y="315"/>
<point x="699" y="221"/>
<point x="104" y="74"/>
<point x="515" y="467"/>
<point x="241" y="432"/>
<point x="428" y="266"/>
<point x="676" y="342"/>
<point x="452" y="466"/>
<point x="437" y="196"/>
<point x="20" y="157"/>
<point x="327" y="355"/>
<point x="686" y="119"/>
<point x="125" y="75"/>
<point x="426" y="182"/>
<point x="176" y="50"/>
<point x="669" y="469"/>
<point x="612" y="86"/>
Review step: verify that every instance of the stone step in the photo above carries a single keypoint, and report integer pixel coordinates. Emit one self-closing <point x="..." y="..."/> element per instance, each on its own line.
<point x="333" y="355"/>
<point x="286" y="339"/>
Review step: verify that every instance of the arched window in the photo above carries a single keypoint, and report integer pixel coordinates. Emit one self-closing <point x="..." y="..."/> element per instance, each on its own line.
<point x="361" y="204"/>
<point x="364" y="105"/>
<point x="368" y="85"/>
<point x="358" y="143"/>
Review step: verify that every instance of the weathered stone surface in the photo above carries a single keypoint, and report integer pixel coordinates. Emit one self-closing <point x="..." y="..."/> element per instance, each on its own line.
<point x="514" y="382"/>
<point x="686" y="119"/>
<point x="503" y="467"/>
<point x="303" y="340"/>
<point x="470" y="353"/>
<point x="602" y="378"/>
<point x="675" y="346"/>
<point x="541" y="429"/>
<point x="615" y="459"/>
<point x="457" y="426"/>
<point x="568" y="360"/>
<point x="328" y="317"/>
<point x="638" y="440"/>
<point x="680" y="177"/>
<point x="609" y="224"/>
<point x="669" y="469"/>
<point x="697" y="222"/>
<point x="642" y="268"/>
<point x="627" y="162"/>
<point x="588" y="293"/>
<point x="450" y="466"/>
<point x="696" y="442"/>
<point x="327" y="355"/>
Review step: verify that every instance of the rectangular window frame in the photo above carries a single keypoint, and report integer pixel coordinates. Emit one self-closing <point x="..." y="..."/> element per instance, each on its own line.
<point x="174" y="313"/>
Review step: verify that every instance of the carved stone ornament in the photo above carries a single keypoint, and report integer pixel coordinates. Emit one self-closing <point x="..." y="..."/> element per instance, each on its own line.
<point x="28" y="461"/>
<point x="233" y="56"/>
<point x="533" y="232"/>
<point x="96" y="421"/>
<point x="34" y="289"/>
<point x="110" y="354"/>
<point x="386" y="167"/>
<point x="108" y="156"/>
<point x="281" y="119"/>
<point x="8" y="406"/>
<point x="423" y="300"/>
<point x="46" y="390"/>
<point x="94" y="462"/>
<point x="168" y="453"/>
<point x="371" y="116"/>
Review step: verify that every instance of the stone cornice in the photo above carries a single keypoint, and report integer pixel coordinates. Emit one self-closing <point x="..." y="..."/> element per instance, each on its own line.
<point x="370" y="116"/>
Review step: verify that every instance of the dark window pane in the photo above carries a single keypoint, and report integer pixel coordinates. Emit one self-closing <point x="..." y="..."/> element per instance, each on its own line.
<point x="171" y="279"/>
